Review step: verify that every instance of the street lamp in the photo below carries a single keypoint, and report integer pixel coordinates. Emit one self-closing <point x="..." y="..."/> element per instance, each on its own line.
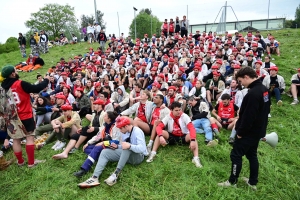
<point x="96" y="17"/>
<point x="134" y="22"/>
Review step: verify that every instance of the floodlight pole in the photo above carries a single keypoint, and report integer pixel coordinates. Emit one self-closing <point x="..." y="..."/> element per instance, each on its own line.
<point x="96" y="17"/>
<point x="134" y="22"/>
<point x="118" y="23"/>
<point x="268" y="15"/>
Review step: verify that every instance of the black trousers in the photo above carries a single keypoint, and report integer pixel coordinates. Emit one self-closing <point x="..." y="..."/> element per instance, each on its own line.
<point x="183" y="32"/>
<point x="244" y="146"/>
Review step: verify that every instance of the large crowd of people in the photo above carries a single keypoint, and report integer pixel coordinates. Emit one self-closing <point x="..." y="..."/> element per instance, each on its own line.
<point x="170" y="87"/>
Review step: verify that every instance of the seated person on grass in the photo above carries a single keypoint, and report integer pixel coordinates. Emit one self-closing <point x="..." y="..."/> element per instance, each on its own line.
<point x="295" y="87"/>
<point x="85" y="133"/>
<point x="176" y="128"/>
<point x="214" y="87"/>
<point x="65" y="126"/>
<point x="107" y="134"/>
<point x="131" y="150"/>
<point x="225" y="112"/>
<point x="56" y="113"/>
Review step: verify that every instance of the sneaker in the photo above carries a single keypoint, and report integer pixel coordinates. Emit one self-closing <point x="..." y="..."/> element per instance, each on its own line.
<point x="231" y="141"/>
<point x="73" y="150"/>
<point x="21" y="164"/>
<point x="196" y="161"/>
<point x="151" y="157"/>
<point x="279" y="103"/>
<point x="36" y="162"/>
<point x="111" y="180"/>
<point x="212" y="143"/>
<point x="295" y="102"/>
<point x="269" y="115"/>
<point x="56" y="144"/>
<point x="91" y="182"/>
<point x="80" y="173"/>
<point x="289" y="94"/>
<point x="149" y="147"/>
<point x="60" y="146"/>
<point x="246" y="180"/>
<point x="226" y="184"/>
<point x="39" y="146"/>
<point x="216" y="132"/>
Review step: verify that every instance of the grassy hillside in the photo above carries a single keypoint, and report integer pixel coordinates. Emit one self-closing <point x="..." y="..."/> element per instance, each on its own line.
<point x="172" y="174"/>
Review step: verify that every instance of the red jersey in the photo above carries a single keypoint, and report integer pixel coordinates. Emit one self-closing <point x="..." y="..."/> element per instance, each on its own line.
<point x="155" y="115"/>
<point x="141" y="112"/>
<point x="226" y="112"/>
<point x="171" y="28"/>
<point x="22" y="100"/>
<point x="176" y="129"/>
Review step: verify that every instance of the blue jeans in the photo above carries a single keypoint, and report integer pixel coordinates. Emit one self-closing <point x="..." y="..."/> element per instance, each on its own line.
<point x="203" y="124"/>
<point x="277" y="93"/>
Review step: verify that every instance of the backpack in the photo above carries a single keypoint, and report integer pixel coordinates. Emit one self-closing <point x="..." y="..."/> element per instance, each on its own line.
<point x="8" y="110"/>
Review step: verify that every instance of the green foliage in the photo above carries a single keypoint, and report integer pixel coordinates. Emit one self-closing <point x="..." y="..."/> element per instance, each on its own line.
<point x="85" y="20"/>
<point x="147" y="10"/>
<point x="12" y="40"/>
<point x="52" y="18"/>
<point x="297" y="16"/>
<point x="143" y="24"/>
<point x="172" y="174"/>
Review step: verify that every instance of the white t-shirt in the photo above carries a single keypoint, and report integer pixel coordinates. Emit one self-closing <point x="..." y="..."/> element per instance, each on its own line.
<point x="90" y="29"/>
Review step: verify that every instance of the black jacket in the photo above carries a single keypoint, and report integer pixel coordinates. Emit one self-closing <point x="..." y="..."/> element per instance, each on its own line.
<point x="27" y="87"/>
<point x="22" y="40"/>
<point x="39" y="61"/>
<point x="196" y="113"/>
<point x="253" y="116"/>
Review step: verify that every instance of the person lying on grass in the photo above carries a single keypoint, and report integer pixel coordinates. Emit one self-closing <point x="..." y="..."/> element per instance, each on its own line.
<point x="176" y="128"/>
<point x="131" y="150"/>
<point x="85" y="133"/>
<point x="107" y="134"/>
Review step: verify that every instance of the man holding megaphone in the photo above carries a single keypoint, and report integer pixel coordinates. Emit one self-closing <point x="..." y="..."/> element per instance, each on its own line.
<point x="250" y="127"/>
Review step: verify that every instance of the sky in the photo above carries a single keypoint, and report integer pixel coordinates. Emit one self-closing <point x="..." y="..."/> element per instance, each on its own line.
<point x="15" y="12"/>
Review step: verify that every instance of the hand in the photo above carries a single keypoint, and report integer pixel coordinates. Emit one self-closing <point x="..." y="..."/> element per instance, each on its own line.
<point x="91" y="129"/>
<point x="162" y="106"/>
<point x="230" y="119"/>
<point x="239" y="137"/>
<point x="219" y="119"/>
<point x="84" y="146"/>
<point x="54" y="109"/>
<point x="156" y="122"/>
<point x="162" y="141"/>
<point x="113" y="146"/>
<point x="6" y="143"/>
<point x="211" y="87"/>
<point x="79" y="130"/>
<point x="92" y="98"/>
<point x="193" y="145"/>
<point x="99" y="144"/>
<point x="215" y="88"/>
<point x="116" y="105"/>
<point x="125" y="145"/>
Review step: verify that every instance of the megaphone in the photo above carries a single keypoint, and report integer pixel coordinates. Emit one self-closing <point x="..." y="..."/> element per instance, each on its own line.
<point x="271" y="139"/>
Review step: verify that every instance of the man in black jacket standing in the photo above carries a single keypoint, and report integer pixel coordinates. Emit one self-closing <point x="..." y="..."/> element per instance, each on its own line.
<point x="22" y="45"/>
<point x="250" y="127"/>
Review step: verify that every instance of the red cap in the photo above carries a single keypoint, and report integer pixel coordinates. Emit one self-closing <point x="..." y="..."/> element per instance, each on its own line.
<point x="254" y="44"/>
<point x="144" y="64"/>
<point x="249" y="34"/>
<point x="83" y="64"/>
<point x="172" y="88"/>
<point x="236" y="66"/>
<point x="75" y="57"/>
<point x="197" y="67"/>
<point x="155" y="64"/>
<point x="156" y="84"/>
<point x="60" y="96"/>
<point x="89" y="67"/>
<point x="182" y="69"/>
<point x="154" y="69"/>
<point x="209" y="52"/>
<point x="103" y="56"/>
<point x="216" y="74"/>
<point x="171" y="60"/>
<point x="241" y="39"/>
<point x="66" y="107"/>
<point x="163" y="76"/>
<point x="121" y="62"/>
<point x="256" y="39"/>
<point x="64" y="74"/>
<point x="97" y="62"/>
<point x="214" y="67"/>
<point x="78" y="69"/>
<point x="234" y="50"/>
<point x="166" y="56"/>
<point x="122" y="121"/>
<point x="145" y="45"/>
<point x="97" y="84"/>
<point x="274" y="68"/>
<point x="259" y="62"/>
<point x="99" y="102"/>
<point x="219" y="61"/>
<point x="136" y="63"/>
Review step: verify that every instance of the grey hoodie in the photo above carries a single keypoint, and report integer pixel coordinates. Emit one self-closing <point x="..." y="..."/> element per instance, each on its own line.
<point x="123" y="99"/>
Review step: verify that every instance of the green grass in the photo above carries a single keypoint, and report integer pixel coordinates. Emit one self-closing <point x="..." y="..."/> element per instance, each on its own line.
<point x="172" y="175"/>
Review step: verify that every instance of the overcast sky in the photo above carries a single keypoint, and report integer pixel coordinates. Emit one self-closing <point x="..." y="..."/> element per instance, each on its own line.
<point x="15" y="12"/>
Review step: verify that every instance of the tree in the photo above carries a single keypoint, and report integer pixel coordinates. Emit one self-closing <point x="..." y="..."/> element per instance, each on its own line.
<point x="297" y="16"/>
<point x="52" y="18"/>
<point x="85" y="20"/>
<point x="143" y="24"/>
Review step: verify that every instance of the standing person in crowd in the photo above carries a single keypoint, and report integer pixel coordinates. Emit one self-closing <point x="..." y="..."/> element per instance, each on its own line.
<point x="184" y="27"/>
<point x="33" y="45"/>
<point x="250" y="127"/>
<point x="22" y="45"/>
<point x="97" y="30"/>
<point x="90" y="33"/>
<point x="102" y="40"/>
<point x="18" y="92"/>
<point x="177" y="25"/>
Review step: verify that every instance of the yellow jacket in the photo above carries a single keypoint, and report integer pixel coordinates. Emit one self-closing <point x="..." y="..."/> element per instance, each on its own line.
<point x="37" y="37"/>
